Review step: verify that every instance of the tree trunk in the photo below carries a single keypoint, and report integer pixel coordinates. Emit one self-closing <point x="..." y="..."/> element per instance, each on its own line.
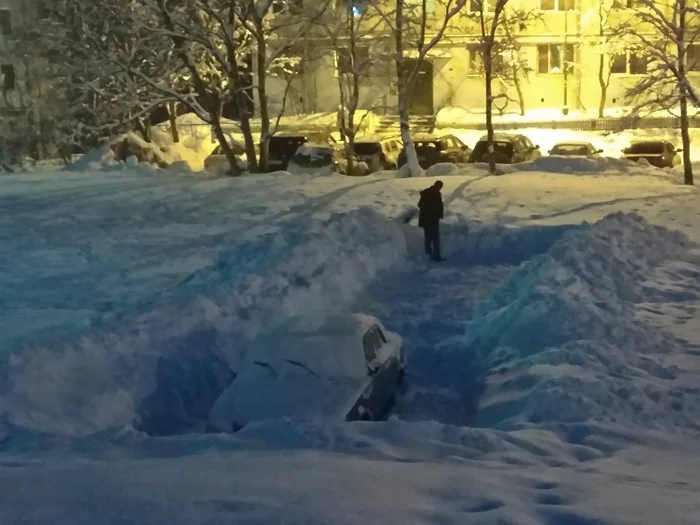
<point x="263" y="160"/>
<point x="147" y="130"/>
<point x="603" y="86"/>
<point x="409" y="148"/>
<point x="685" y="135"/>
<point x="683" y="89"/>
<point x="172" y="116"/>
<point x="489" y="108"/>
<point x="234" y="170"/>
<point x="519" y="91"/>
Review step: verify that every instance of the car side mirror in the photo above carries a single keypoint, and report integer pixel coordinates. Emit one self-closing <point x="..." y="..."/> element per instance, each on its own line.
<point x="600" y="151"/>
<point x="550" y="151"/>
<point x="537" y="147"/>
<point x="373" y="366"/>
<point x="679" y="150"/>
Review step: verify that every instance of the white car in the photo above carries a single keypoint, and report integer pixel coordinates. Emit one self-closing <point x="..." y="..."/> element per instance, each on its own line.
<point x="346" y="367"/>
<point x="575" y="149"/>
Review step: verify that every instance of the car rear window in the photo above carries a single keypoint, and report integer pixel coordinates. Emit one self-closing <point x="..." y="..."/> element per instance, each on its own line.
<point x="285" y="146"/>
<point x="313" y="157"/>
<point x="367" y="148"/>
<point x="654" y="148"/>
<point x="570" y="149"/>
<point x="502" y="147"/>
<point x="429" y="145"/>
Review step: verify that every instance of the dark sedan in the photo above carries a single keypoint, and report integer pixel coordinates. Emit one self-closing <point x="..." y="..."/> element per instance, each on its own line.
<point x="659" y="153"/>
<point x="433" y="150"/>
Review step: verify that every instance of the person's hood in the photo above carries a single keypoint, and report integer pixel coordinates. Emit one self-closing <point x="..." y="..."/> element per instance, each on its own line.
<point x="432" y="189"/>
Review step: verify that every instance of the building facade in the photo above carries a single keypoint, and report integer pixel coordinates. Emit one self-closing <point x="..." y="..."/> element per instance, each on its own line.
<point x="563" y="50"/>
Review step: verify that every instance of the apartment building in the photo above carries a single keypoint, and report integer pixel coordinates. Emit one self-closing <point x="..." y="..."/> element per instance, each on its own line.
<point x="560" y="54"/>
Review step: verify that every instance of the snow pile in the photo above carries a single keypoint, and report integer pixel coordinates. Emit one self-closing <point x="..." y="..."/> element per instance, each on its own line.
<point x="560" y="342"/>
<point x="123" y="152"/>
<point x="572" y="165"/>
<point x="442" y="169"/>
<point x="165" y="366"/>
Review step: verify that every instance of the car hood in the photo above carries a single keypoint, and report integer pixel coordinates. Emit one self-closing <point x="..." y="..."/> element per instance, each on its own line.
<point x="262" y="392"/>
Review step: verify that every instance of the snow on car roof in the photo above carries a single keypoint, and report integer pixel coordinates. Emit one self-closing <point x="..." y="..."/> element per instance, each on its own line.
<point x="331" y="346"/>
<point x="572" y="143"/>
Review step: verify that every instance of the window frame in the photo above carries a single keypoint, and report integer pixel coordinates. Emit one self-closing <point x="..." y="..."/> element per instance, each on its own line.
<point x="567" y="5"/>
<point x="628" y="64"/>
<point x="563" y="55"/>
<point x="692" y="66"/>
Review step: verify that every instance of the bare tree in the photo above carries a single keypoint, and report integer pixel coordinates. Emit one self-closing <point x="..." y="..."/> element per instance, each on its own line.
<point x="490" y="20"/>
<point x="508" y="66"/>
<point x="349" y="31"/>
<point x="665" y="30"/>
<point x="417" y="26"/>
<point x="68" y="92"/>
<point x="273" y="35"/>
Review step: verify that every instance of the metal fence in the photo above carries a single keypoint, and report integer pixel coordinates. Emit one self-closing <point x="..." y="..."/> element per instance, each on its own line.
<point x="609" y="124"/>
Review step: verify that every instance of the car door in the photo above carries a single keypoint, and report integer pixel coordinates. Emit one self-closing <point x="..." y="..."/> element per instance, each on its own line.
<point x="462" y="150"/>
<point x="384" y="371"/>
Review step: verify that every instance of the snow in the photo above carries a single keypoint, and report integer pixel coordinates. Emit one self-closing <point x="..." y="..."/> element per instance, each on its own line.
<point x="552" y="360"/>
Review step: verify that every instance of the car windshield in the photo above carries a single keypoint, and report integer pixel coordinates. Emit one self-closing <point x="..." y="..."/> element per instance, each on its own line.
<point x="502" y="147"/>
<point x="428" y="146"/>
<point x="570" y="149"/>
<point x="654" y="148"/>
<point x="285" y="146"/>
<point x="367" y="148"/>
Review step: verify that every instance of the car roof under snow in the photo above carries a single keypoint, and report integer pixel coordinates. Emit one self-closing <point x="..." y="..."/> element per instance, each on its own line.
<point x="329" y="345"/>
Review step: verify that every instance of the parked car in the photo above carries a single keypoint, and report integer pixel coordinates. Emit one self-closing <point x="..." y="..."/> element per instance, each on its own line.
<point x="347" y="367"/>
<point x="659" y="153"/>
<point x="283" y="147"/>
<point x="508" y="149"/>
<point x="433" y="150"/>
<point x="381" y="154"/>
<point x="217" y="161"/>
<point x="323" y="157"/>
<point x="575" y="149"/>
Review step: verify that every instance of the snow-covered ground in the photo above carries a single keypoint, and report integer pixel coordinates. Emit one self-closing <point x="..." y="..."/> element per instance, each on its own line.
<point x="554" y="358"/>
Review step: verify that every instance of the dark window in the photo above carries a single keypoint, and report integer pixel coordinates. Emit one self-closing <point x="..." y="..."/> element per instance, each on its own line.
<point x="367" y="148"/>
<point x="618" y="64"/>
<point x="5" y="22"/>
<point x="371" y="342"/>
<point x="693" y="57"/>
<point x="8" y="77"/>
<point x="638" y="65"/>
<point x="475" y="6"/>
<point x="655" y="148"/>
<point x="553" y="58"/>
<point x="557" y="5"/>
<point x="345" y="61"/>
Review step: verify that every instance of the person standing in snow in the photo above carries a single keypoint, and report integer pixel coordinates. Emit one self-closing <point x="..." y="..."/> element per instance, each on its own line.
<point x="430" y="212"/>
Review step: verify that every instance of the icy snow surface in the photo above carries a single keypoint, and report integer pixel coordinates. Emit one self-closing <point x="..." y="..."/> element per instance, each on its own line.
<point x="554" y="358"/>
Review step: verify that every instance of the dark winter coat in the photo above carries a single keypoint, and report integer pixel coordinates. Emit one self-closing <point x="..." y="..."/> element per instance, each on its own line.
<point x="430" y="207"/>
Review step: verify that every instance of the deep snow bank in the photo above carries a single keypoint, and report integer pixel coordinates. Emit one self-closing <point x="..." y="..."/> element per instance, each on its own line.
<point x="560" y="343"/>
<point x="165" y="365"/>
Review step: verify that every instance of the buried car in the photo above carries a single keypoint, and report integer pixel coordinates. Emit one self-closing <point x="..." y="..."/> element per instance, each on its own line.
<point x="507" y="149"/>
<point x="347" y="367"/>
<point x="659" y="153"/>
<point x="432" y="150"/>
<point x="575" y="149"/>
<point x="324" y="158"/>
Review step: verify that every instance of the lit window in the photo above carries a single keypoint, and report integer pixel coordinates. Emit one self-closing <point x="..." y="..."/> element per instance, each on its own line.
<point x="476" y="62"/>
<point x="553" y="58"/>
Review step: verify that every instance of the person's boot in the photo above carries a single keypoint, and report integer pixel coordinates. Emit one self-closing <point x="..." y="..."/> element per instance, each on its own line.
<point x="437" y="258"/>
